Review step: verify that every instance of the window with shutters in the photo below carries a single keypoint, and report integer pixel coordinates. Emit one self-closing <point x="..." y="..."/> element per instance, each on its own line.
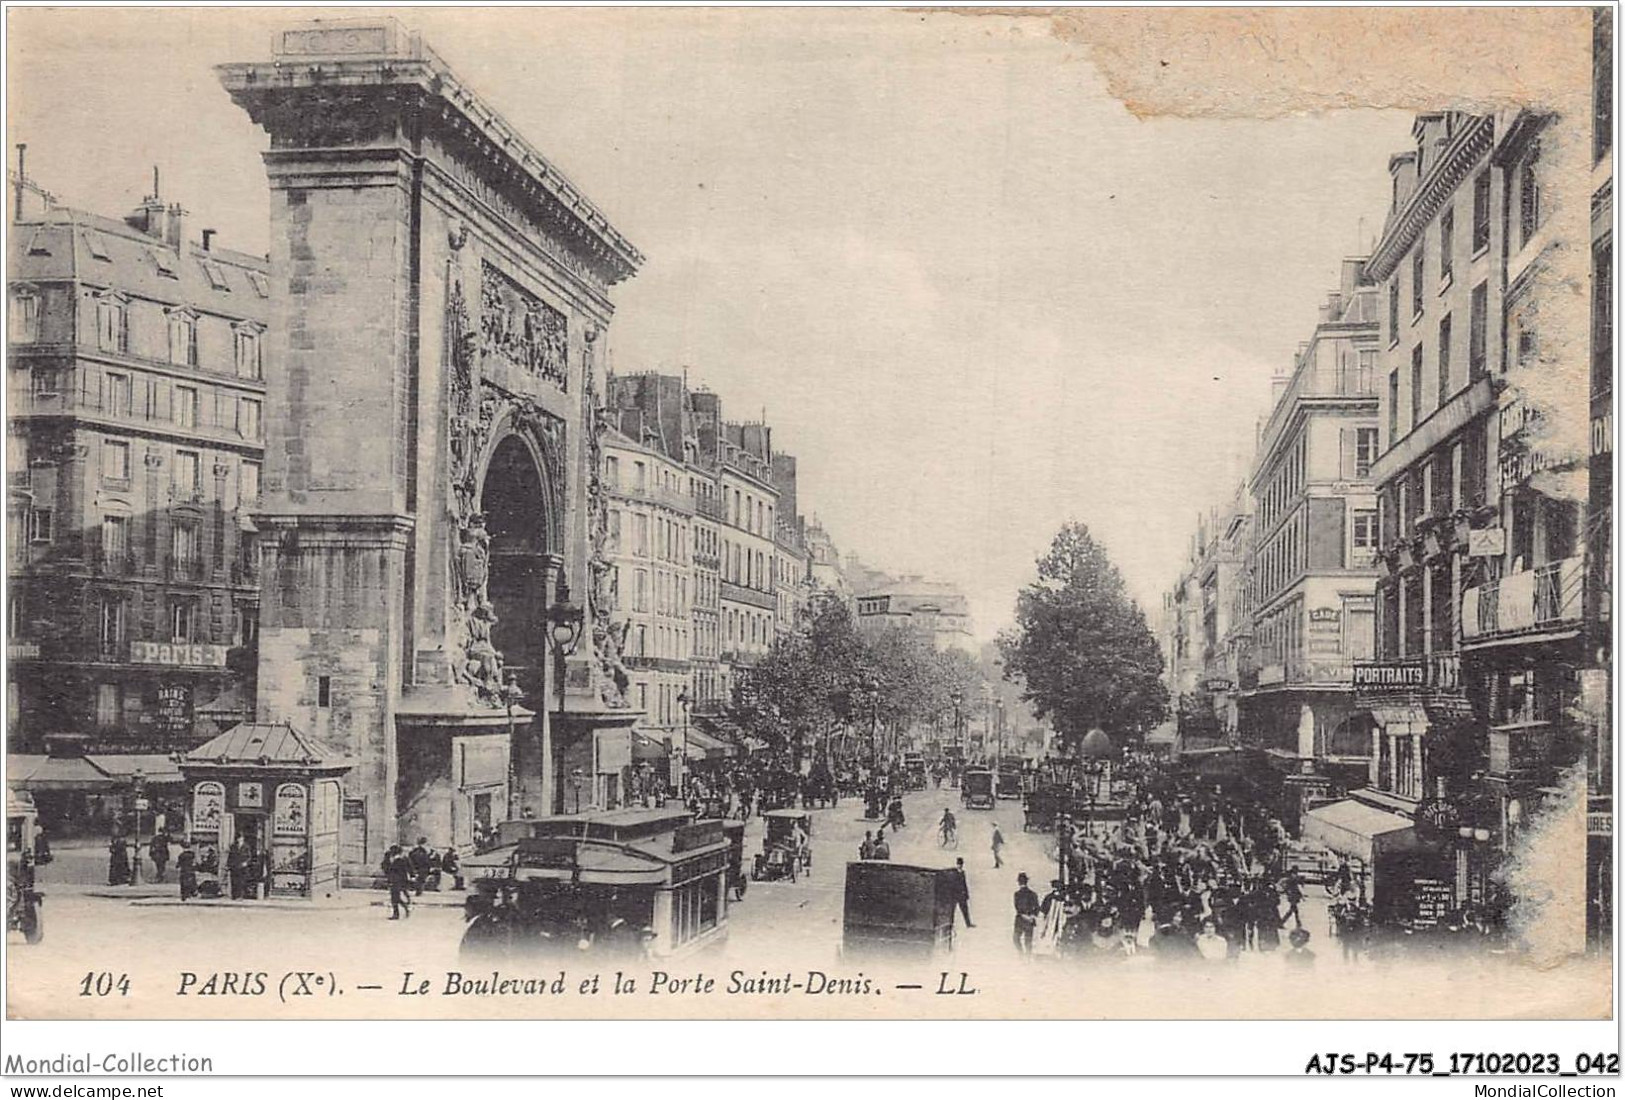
<point x="115" y="460"/>
<point x="183" y="339"/>
<point x="186" y="406"/>
<point x="1444" y="485"/>
<point x="1478" y="333"/>
<point x="182" y="621"/>
<point x="112" y="327"/>
<point x="1363" y="537"/>
<point x="112" y="623"/>
<point x="248" y="418"/>
<point x="184" y="545"/>
<point x="40" y="525"/>
<point x="187" y="476"/>
<point x="25" y="316"/>
<point x="1365" y="451"/>
<point x="1528" y="198"/>
<point x="1481" y="212"/>
<point x="1393" y="406"/>
<point x="1393" y="311"/>
<point x="116" y="394"/>
<point x="115" y="537"/>
<point x="1447" y="243"/>
<point x="107" y="705"/>
<point x="1444" y="361"/>
<point x="1416" y="386"/>
<point x="248" y="484"/>
<point x="248" y="354"/>
<point x="1443" y="608"/>
<point x="1470" y="483"/>
<point x="1418" y="276"/>
<point x="1359" y="630"/>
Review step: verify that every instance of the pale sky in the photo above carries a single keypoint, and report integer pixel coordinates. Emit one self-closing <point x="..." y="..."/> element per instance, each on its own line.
<point x="975" y="296"/>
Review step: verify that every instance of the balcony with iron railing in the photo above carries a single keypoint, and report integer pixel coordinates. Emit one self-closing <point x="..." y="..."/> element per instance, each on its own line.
<point x="1317" y="382"/>
<point x="212" y="424"/>
<point x="674" y="499"/>
<point x="1547" y="597"/>
<point x="113" y="561"/>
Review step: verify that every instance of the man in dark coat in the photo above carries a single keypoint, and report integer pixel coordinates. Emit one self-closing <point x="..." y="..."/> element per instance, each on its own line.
<point x="959" y="890"/>
<point x="118" y="862"/>
<point x="1027" y="910"/>
<point x="398" y="873"/>
<point x="186" y="864"/>
<point x="238" y="866"/>
<point x="420" y="863"/>
<point x="450" y="865"/>
<point x="159" y="851"/>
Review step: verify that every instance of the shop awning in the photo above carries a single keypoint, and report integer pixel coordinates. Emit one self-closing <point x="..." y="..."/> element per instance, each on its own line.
<point x="702" y="745"/>
<point x="231" y="705"/>
<point x="58" y="773"/>
<point x="155" y="767"/>
<point x="645" y="747"/>
<point x="1358" y="830"/>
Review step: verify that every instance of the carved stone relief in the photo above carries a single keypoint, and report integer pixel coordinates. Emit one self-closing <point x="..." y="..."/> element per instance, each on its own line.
<point x="608" y="638"/>
<point x="521" y="329"/>
<point x="476" y="409"/>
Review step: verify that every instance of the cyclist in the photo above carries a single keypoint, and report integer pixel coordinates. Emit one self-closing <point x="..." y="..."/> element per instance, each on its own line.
<point x="948" y="827"/>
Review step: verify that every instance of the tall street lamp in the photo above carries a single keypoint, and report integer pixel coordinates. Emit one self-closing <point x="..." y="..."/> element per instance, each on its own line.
<point x="511" y="694"/>
<point x="871" y="689"/>
<point x="563" y="631"/>
<point x="999" y="705"/>
<point x="681" y="773"/>
<point x="958" y="698"/>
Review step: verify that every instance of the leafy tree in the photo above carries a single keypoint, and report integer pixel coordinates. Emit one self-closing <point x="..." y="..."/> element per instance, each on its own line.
<point x="1082" y="646"/>
<point x="808" y="682"/>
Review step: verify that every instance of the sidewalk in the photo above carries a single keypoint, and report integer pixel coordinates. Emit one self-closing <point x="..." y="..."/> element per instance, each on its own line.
<point x="162" y="893"/>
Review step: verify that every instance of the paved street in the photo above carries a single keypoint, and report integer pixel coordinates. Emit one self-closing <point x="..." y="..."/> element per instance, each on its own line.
<point x="780" y="927"/>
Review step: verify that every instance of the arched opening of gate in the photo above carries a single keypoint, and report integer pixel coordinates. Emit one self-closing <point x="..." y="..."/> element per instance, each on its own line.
<point x="514" y="501"/>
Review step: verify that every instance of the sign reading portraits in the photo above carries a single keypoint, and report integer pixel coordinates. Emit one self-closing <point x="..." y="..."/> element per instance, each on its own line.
<point x="521" y="329"/>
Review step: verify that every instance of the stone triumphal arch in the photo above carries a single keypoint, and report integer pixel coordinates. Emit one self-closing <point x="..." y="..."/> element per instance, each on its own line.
<point x="439" y="295"/>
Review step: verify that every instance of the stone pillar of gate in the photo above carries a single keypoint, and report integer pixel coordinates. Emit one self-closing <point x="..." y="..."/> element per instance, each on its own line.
<point x="439" y="290"/>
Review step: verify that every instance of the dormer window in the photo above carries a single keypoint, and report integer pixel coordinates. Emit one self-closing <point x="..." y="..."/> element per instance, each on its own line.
<point x="215" y="274"/>
<point x="183" y="338"/>
<point x="249" y="364"/>
<point x="164" y="262"/>
<point x="97" y="244"/>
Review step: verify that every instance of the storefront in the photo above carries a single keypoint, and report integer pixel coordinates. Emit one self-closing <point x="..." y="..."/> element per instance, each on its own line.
<point x="265" y="808"/>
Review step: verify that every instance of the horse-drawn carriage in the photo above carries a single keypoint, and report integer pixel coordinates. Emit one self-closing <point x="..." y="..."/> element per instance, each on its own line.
<point x="786" y="846"/>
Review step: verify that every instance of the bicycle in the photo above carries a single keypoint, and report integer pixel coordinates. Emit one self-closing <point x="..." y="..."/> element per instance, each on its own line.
<point x="949" y="837"/>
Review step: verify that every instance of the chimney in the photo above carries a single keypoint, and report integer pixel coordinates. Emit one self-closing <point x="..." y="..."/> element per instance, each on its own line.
<point x="161" y="222"/>
<point x="1402" y="170"/>
<point x="1278" y="386"/>
<point x="175" y="226"/>
<point x="208" y="238"/>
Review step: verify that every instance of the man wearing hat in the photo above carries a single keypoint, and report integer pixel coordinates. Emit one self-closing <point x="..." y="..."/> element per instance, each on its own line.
<point x="1027" y="910"/>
